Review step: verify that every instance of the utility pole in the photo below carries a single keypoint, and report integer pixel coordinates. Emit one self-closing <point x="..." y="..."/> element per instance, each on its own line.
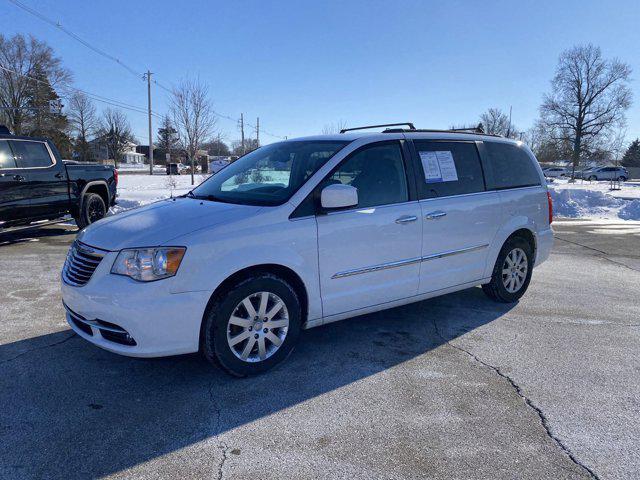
<point x="242" y="132"/>
<point x="509" y="128"/>
<point x="257" y="132"/>
<point x="148" y="75"/>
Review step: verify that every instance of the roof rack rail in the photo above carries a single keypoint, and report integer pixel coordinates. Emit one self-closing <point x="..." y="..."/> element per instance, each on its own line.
<point x="409" y="124"/>
<point x="472" y="131"/>
<point x="477" y="129"/>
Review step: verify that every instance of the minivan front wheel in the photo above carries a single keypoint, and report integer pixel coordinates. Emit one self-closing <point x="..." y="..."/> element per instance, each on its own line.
<point x="512" y="271"/>
<point x="252" y="326"/>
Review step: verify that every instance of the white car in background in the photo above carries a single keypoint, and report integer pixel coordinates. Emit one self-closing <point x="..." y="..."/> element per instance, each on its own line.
<point x="305" y="232"/>
<point x="553" y="172"/>
<point x="606" y="173"/>
<point x="216" y="165"/>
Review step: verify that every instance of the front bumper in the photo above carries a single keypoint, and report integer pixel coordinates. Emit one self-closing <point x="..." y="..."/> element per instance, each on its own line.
<point x="159" y="322"/>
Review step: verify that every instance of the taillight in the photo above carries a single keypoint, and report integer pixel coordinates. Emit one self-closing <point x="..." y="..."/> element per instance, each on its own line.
<point x="115" y="176"/>
<point x="550" y="207"/>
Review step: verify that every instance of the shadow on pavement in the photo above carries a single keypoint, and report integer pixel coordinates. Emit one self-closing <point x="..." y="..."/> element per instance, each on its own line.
<point x="30" y="235"/>
<point x="71" y="410"/>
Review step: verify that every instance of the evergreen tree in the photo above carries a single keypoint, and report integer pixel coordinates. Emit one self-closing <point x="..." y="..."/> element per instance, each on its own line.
<point x="631" y="157"/>
<point x="45" y="117"/>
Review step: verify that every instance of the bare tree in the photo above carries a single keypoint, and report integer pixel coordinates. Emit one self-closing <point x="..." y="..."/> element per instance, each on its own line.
<point x="22" y="58"/>
<point x="589" y="98"/>
<point x="115" y="132"/>
<point x="239" y="149"/>
<point x="84" y="122"/>
<point x="331" y="128"/>
<point x="193" y="117"/>
<point x="496" y="122"/>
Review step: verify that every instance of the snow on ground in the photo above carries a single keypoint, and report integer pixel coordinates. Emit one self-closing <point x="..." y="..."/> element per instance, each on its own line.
<point x="570" y="200"/>
<point x="137" y="190"/>
<point x="595" y="200"/>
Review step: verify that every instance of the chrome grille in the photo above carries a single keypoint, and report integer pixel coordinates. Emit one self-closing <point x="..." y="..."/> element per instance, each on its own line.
<point x="81" y="262"/>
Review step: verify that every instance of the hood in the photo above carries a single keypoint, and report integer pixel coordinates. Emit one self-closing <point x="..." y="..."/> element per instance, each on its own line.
<point x="157" y="223"/>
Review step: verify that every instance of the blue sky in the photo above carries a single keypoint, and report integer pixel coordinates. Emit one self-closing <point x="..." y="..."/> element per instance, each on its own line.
<point x="299" y="65"/>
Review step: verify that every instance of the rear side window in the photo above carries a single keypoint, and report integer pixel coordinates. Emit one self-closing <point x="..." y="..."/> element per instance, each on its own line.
<point x="31" y="154"/>
<point x="6" y="156"/>
<point x="511" y="166"/>
<point x="449" y="168"/>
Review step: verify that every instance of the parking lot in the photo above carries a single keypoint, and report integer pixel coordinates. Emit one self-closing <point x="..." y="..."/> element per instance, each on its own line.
<point x="453" y="387"/>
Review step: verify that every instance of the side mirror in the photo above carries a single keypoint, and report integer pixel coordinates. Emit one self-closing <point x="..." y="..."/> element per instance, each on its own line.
<point x="339" y="196"/>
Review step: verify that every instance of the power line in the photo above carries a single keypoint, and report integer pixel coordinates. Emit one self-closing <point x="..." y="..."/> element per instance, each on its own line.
<point x="226" y="117"/>
<point x="113" y="58"/>
<point x="68" y="32"/>
<point x="99" y="98"/>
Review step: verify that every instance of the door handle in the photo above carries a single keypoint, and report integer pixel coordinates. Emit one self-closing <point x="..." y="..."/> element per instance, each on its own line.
<point x="18" y="178"/>
<point x="434" y="215"/>
<point x="59" y="175"/>
<point x="406" y="219"/>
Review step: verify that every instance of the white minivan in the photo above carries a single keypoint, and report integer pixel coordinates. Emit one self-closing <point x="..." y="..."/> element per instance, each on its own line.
<point x="305" y="232"/>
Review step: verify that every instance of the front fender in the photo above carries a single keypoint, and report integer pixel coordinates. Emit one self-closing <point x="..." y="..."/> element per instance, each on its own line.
<point x="209" y="263"/>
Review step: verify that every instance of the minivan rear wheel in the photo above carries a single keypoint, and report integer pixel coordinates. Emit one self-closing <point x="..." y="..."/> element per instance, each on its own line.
<point x="252" y="326"/>
<point x="512" y="271"/>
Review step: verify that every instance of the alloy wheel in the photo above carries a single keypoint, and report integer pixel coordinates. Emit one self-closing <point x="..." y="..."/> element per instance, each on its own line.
<point x="257" y="327"/>
<point x="514" y="270"/>
<point x="95" y="210"/>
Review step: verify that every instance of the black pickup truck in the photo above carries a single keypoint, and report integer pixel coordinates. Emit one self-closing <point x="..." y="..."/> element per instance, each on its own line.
<point x="36" y="185"/>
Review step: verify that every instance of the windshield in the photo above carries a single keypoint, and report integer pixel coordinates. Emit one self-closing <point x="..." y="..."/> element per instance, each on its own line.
<point x="269" y="175"/>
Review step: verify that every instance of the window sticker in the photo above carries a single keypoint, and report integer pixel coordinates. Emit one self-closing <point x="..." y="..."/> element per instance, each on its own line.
<point x="431" y="167"/>
<point x="439" y="166"/>
<point x="447" y="166"/>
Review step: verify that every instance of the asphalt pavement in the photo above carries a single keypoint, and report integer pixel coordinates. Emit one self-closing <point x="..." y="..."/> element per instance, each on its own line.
<point x="452" y="387"/>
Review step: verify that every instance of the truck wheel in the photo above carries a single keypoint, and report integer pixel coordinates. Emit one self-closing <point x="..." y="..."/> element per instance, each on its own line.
<point x="92" y="210"/>
<point x="252" y="326"/>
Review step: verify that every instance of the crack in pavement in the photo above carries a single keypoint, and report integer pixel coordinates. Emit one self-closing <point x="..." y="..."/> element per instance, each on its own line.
<point x="223" y="447"/>
<point x="38" y="348"/>
<point x="602" y="253"/>
<point x="527" y="401"/>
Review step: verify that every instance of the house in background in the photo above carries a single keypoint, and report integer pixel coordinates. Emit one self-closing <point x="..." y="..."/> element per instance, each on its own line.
<point x="100" y="153"/>
<point x="131" y="156"/>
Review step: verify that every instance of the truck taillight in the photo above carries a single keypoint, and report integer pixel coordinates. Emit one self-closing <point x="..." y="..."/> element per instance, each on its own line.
<point x="115" y="176"/>
<point x="550" y="207"/>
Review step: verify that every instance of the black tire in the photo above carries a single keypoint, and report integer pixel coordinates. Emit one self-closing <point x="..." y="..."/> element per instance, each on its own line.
<point x="592" y="178"/>
<point x="496" y="289"/>
<point x="622" y="178"/>
<point x="215" y="345"/>
<point x="92" y="209"/>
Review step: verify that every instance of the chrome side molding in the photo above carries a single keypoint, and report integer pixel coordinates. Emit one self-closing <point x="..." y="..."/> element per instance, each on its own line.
<point x="454" y="252"/>
<point x="409" y="261"/>
<point x="375" y="268"/>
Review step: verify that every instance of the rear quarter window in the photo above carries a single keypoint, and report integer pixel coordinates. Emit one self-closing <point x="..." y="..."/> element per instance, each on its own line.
<point x="511" y="166"/>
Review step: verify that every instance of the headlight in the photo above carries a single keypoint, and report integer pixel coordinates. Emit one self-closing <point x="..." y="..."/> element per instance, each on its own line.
<point x="148" y="264"/>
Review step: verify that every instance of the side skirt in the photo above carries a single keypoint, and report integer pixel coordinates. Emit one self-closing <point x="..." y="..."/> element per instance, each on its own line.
<point x="395" y="303"/>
